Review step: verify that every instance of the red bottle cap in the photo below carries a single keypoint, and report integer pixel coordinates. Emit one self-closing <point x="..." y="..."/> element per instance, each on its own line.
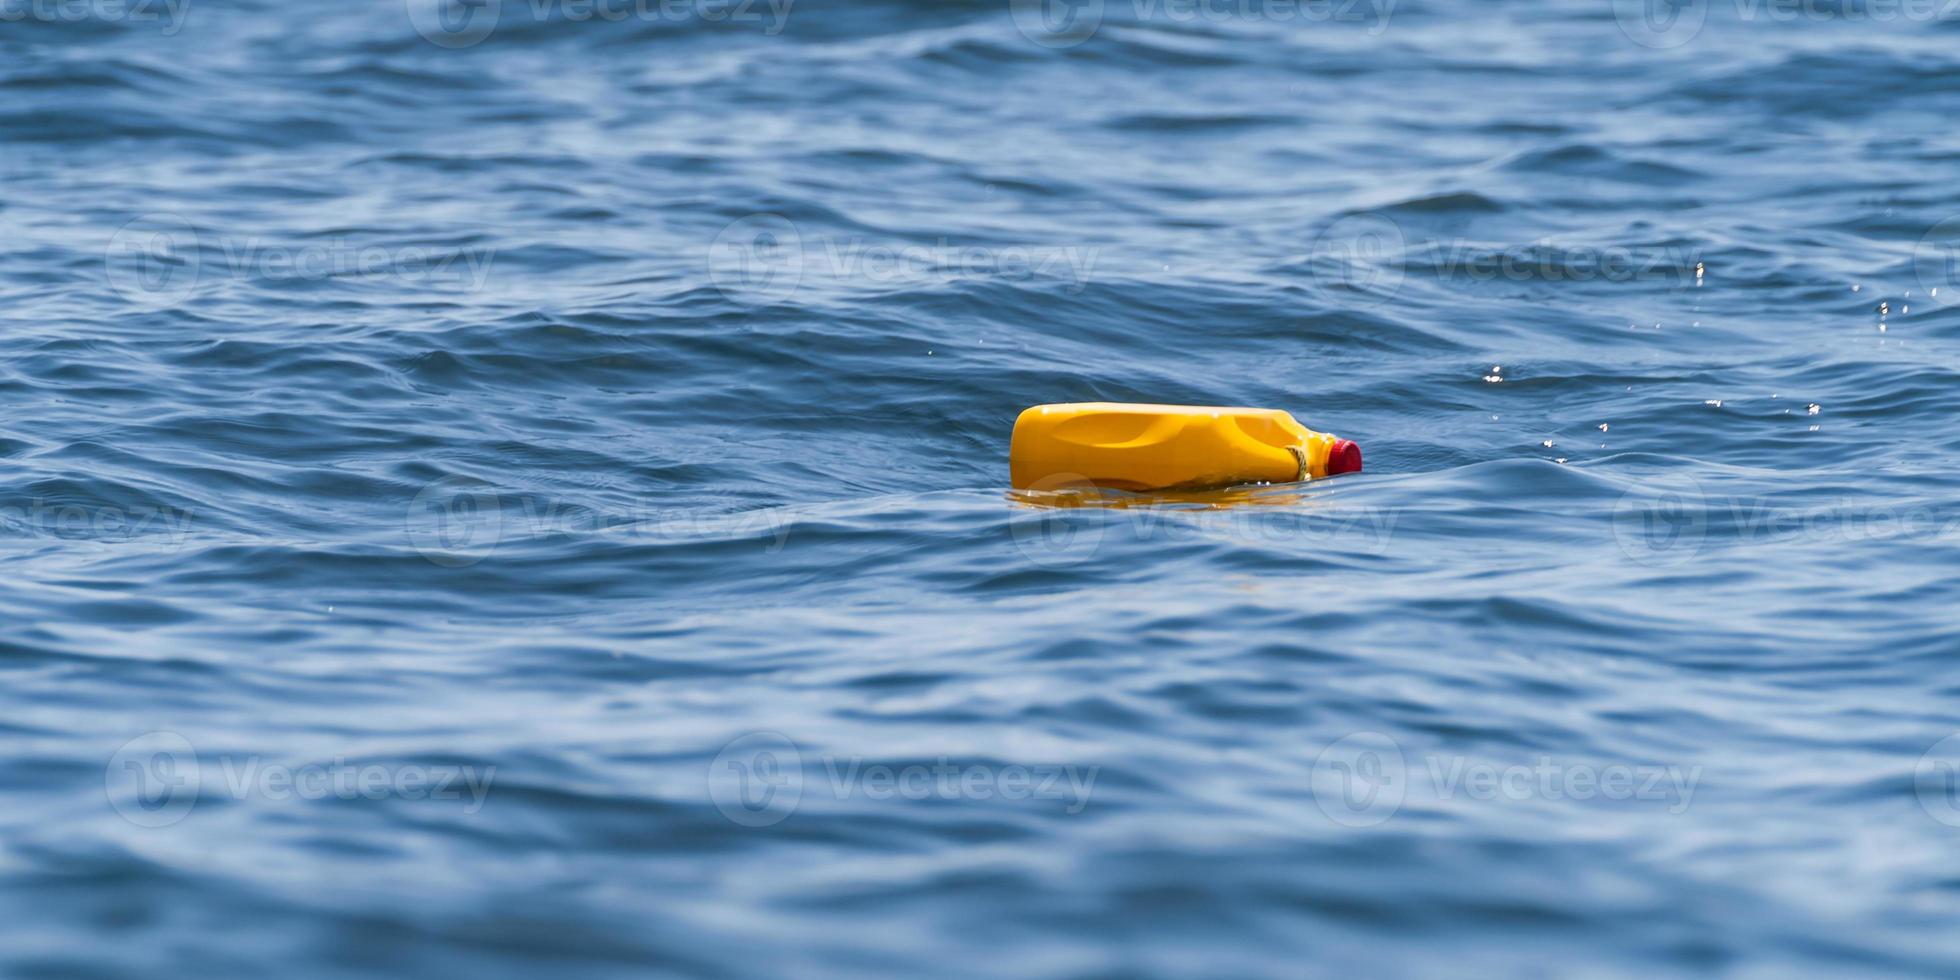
<point x="1345" y="457"/>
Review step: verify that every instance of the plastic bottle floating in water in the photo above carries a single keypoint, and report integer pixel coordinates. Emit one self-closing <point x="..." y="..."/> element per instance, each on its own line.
<point x="1152" y="447"/>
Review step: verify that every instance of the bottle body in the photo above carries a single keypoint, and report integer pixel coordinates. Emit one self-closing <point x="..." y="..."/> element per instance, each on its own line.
<point x="1148" y="447"/>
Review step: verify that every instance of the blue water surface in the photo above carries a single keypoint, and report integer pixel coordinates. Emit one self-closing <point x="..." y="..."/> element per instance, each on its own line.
<point x="519" y="488"/>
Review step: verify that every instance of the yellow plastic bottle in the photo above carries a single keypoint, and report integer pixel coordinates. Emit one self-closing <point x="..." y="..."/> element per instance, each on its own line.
<point x="1150" y="447"/>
